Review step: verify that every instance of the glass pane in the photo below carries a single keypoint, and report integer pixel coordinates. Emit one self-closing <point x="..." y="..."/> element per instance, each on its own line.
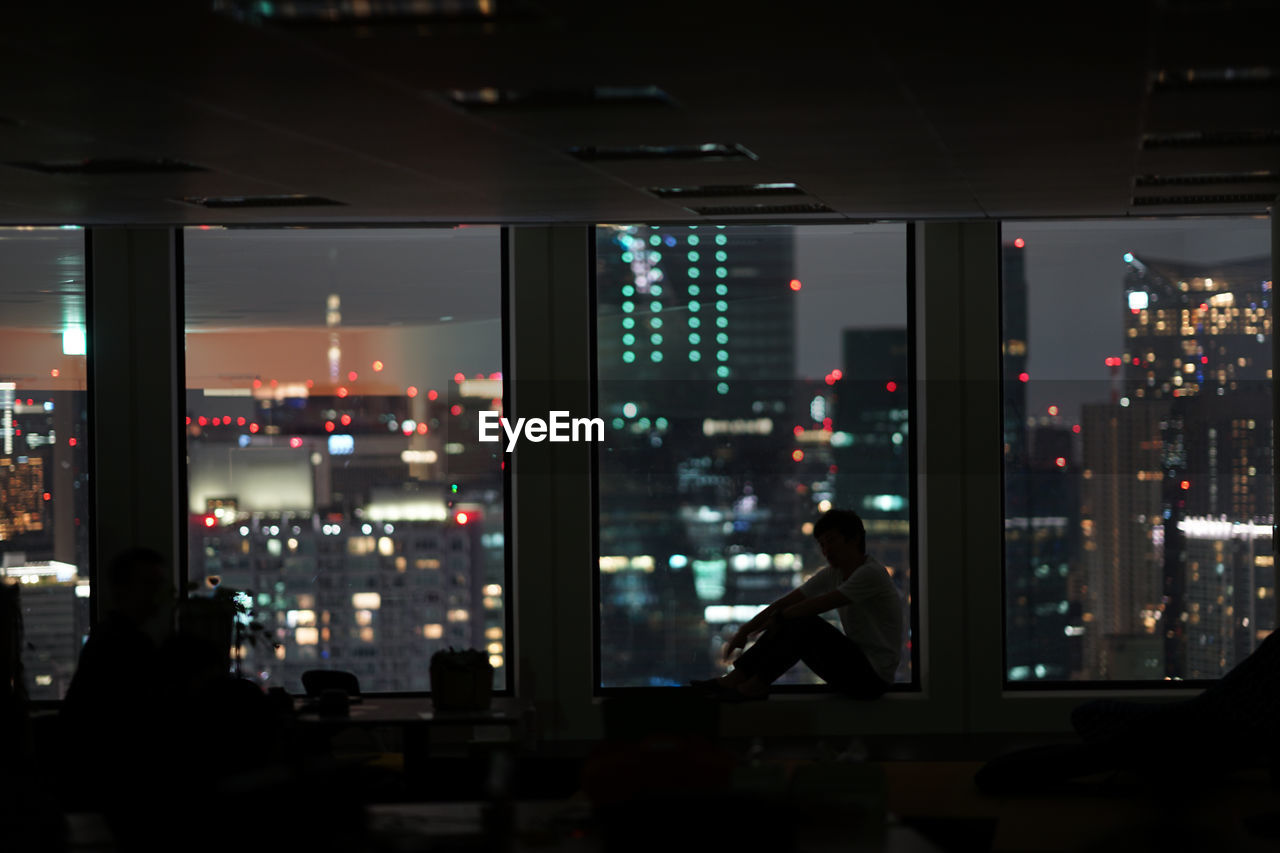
<point x="334" y="379"/>
<point x="1138" y="432"/>
<point x="44" y="467"/>
<point x="749" y="378"/>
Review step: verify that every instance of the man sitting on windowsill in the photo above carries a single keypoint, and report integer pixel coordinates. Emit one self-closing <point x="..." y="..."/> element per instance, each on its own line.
<point x="861" y="661"/>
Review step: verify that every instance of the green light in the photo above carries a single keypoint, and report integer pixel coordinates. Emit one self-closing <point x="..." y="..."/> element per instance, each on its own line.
<point x="722" y="388"/>
<point x="694" y="306"/>
<point x="655" y="323"/>
<point x="721" y="272"/>
<point x="721" y="289"/>
<point x="694" y="355"/>
<point x="695" y="338"/>
<point x="694" y="272"/>
<point x="627" y="257"/>
<point x="722" y="372"/>
<point x="619" y="423"/>
<point x="656" y="290"/>
<point x="628" y="307"/>
<point x="693" y="257"/>
<point x="693" y="239"/>
<point x="655" y="356"/>
<point x="655" y="339"/>
<point x="721" y="305"/>
<point x="722" y="322"/>
<point x="661" y="423"/>
<point x="721" y="239"/>
<point x="655" y="306"/>
<point x="628" y="356"/>
<point x="655" y="257"/>
<point x="694" y="290"/>
<point x="693" y="227"/>
<point x="628" y="322"/>
<point x="628" y="290"/>
<point x="694" y="322"/>
<point x="722" y="255"/>
<point x="722" y="355"/>
<point x="643" y="423"/>
<point x="629" y="340"/>
<point x="655" y="240"/>
<point x="722" y="338"/>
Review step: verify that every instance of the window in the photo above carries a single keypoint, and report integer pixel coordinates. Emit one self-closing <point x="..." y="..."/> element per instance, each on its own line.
<point x="334" y="379"/>
<point x="749" y="379"/>
<point x="1137" y="448"/>
<point x="44" y="473"/>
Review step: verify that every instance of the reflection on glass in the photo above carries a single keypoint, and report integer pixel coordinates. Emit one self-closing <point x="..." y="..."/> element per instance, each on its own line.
<point x="1138" y="432"/>
<point x="334" y="380"/>
<point x="44" y="477"/>
<point x="749" y="379"/>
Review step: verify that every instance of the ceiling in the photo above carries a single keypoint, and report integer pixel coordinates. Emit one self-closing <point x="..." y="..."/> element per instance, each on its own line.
<point x="913" y="112"/>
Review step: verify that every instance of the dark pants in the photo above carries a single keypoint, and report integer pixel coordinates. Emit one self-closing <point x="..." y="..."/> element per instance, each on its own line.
<point x="824" y="649"/>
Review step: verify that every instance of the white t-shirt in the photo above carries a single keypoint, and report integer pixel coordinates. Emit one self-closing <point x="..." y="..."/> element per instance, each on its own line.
<point x="873" y="616"/>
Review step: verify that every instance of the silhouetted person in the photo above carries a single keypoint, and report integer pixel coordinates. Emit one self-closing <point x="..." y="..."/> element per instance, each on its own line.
<point x="859" y="662"/>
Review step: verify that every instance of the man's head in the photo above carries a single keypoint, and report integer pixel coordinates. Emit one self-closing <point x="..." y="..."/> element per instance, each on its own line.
<point x="841" y="536"/>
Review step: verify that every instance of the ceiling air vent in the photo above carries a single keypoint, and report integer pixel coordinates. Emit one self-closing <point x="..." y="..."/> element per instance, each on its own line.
<point x="1205" y="179"/>
<point x="489" y="100"/>
<point x="706" y="151"/>
<point x="760" y="209"/>
<point x="727" y="190"/>
<point x="1210" y="139"/>
<point x="1222" y="198"/>
<point x="245" y="201"/>
<point x="110" y="166"/>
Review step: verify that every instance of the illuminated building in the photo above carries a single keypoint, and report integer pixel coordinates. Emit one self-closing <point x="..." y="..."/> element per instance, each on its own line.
<point x="55" y="613"/>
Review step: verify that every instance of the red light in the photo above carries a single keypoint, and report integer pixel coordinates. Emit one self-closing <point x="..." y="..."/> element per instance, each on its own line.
<point x="1053" y="410"/>
<point x="799" y="430"/>
<point x="240" y="421"/>
<point x="1204" y="306"/>
<point x="346" y="420"/>
<point x="253" y="427"/>
<point x="830" y="380"/>
<point x="797" y="455"/>
<point x="422" y="429"/>
<point x="1024" y="377"/>
<point x="274" y="383"/>
<point x="431" y="395"/>
<point x="412" y="391"/>
<point x="352" y="376"/>
<point x="1076" y="429"/>
<point x="795" y="284"/>
<point x="833" y="469"/>
<point x="455" y="410"/>
<point x="1061" y="462"/>
<point x="257" y="383"/>
<point x="203" y="421"/>
<point x="479" y="376"/>
<point x="826" y="423"/>
<point x="209" y="521"/>
<point x="495" y="375"/>
<point x="1186" y="484"/>
<point x="311" y="383"/>
<point x="342" y="392"/>
<point x="459" y="378"/>
<point x="295" y="442"/>
<point x="216" y="422"/>
<point x="377" y="367"/>
<point x="1204" y="359"/>
<point x="30" y="402"/>
<point x="838" y="374"/>
<point x="71" y="442"/>
<point x="891" y="386"/>
<point x="48" y="496"/>
<point x="1136" y="361"/>
<point x="188" y="421"/>
<point x="1019" y="243"/>
<point x="54" y="373"/>
<point x="461" y="518"/>
<point x="328" y="426"/>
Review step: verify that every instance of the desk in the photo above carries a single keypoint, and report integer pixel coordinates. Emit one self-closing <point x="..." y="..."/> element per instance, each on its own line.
<point x="416" y="718"/>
